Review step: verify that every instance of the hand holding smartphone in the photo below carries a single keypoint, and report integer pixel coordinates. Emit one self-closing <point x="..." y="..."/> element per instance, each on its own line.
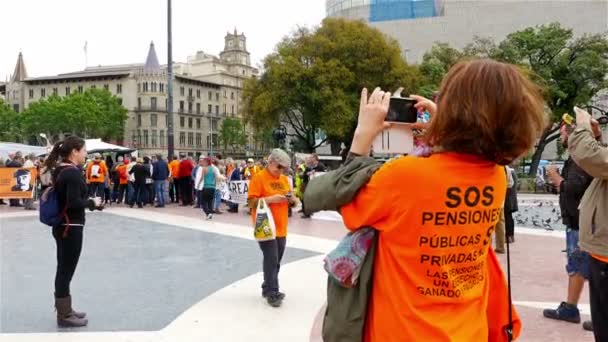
<point x="398" y="139"/>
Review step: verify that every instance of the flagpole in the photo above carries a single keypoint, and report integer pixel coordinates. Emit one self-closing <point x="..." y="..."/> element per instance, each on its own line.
<point x="86" y="54"/>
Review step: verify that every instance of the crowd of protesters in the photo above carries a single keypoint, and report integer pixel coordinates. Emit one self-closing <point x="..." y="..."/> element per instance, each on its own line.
<point x="156" y="181"/>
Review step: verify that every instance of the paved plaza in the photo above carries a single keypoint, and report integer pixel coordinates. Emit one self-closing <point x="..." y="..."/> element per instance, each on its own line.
<point x="168" y="275"/>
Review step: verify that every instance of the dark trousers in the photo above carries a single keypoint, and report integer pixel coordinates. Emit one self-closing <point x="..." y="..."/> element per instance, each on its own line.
<point x="140" y="193"/>
<point x="186" y="190"/>
<point x="207" y="200"/>
<point x="106" y="194"/>
<point x="122" y="192"/>
<point x="115" y="190"/>
<point x="68" y="254"/>
<point x="273" y="253"/>
<point x="174" y="190"/>
<point x="598" y="290"/>
<point x="509" y="224"/>
<point x="150" y="188"/>
<point x="96" y="189"/>
<point x="199" y="199"/>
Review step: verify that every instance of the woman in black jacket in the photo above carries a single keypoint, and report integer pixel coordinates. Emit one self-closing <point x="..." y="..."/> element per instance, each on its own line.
<point x="141" y="173"/>
<point x="66" y="160"/>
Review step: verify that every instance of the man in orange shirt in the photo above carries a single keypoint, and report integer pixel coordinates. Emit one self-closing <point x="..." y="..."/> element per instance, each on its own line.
<point x="96" y="174"/>
<point x="173" y="183"/>
<point x="273" y="186"/>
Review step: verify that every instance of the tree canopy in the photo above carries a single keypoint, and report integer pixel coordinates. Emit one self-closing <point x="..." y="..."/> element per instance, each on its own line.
<point x="313" y="80"/>
<point x="93" y="113"/>
<point x="9" y="123"/>
<point x="232" y="133"/>
<point x="569" y="70"/>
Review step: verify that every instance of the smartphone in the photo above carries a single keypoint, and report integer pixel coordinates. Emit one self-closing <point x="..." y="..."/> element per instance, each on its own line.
<point x="402" y="110"/>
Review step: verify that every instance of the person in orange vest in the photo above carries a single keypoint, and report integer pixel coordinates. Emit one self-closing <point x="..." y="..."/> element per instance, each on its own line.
<point x="96" y="174"/>
<point x="250" y="170"/>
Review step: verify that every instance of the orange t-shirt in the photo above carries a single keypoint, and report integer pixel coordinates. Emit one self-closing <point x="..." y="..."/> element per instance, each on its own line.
<point x="264" y="184"/>
<point x="122" y="174"/>
<point x="174" y="167"/>
<point x="96" y="172"/>
<point x="436" y="217"/>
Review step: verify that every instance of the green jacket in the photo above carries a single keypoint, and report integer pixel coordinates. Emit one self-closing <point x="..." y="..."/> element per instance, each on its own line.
<point x="592" y="157"/>
<point x="344" y="319"/>
<point x="337" y="188"/>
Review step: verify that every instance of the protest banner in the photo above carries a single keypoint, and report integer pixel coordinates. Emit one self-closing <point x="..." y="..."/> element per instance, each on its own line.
<point x="238" y="191"/>
<point x="17" y="183"/>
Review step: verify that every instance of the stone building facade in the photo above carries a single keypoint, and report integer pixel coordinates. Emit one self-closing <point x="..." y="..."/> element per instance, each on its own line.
<point x="206" y="91"/>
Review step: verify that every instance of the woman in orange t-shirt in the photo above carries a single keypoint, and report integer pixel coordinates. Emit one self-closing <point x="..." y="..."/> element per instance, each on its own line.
<point x="273" y="186"/>
<point x="436" y="215"/>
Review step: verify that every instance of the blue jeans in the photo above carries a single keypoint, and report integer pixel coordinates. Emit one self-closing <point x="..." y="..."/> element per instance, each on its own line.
<point x="578" y="261"/>
<point x="131" y="193"/>
<point x="159" y="189"/>
<point x="217" y="200"/>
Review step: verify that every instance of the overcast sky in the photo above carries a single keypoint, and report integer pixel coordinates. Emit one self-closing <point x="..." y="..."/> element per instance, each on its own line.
<point x="52" y="33"/>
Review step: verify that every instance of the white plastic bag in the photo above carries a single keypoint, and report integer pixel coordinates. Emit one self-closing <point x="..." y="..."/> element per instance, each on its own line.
<point x="264" y="229"/>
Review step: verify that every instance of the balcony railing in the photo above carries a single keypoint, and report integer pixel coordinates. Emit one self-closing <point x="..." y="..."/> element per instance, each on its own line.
<point x="150" y="109"/>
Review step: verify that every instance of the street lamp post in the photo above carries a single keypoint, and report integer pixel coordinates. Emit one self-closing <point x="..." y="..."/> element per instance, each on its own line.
<point x="211" y="134"/>
<point x="170" y="129"/>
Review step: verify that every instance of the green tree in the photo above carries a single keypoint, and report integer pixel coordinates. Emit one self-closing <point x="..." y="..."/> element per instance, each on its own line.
<point x="314" y="79"/>
<point x="96" y="113"/>
<point x="10" y="123"/>
<point x="435" y="64"/>
<point x="263" y="139"/>
<point x="570" y="71"/>
<point x="232" y="133"/>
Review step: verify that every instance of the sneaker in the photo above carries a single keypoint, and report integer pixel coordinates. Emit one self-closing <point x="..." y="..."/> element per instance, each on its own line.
<point x="499" y="251"/>
<point x="274" y="300"/>
<point x="588" y="325"/>
<point x="279" y="295"/>
<point x="564" y="312"/>
<point x="209" y="217"/>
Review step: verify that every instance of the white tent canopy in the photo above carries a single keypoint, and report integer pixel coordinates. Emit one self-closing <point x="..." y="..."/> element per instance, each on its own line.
<point x="6" y="148"/>
<point x="97" y="145"/>
<point x="93" y="146"/>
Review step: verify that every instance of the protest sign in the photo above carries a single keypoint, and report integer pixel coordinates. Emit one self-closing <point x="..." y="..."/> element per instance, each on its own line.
<point x="17" y="183"/>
